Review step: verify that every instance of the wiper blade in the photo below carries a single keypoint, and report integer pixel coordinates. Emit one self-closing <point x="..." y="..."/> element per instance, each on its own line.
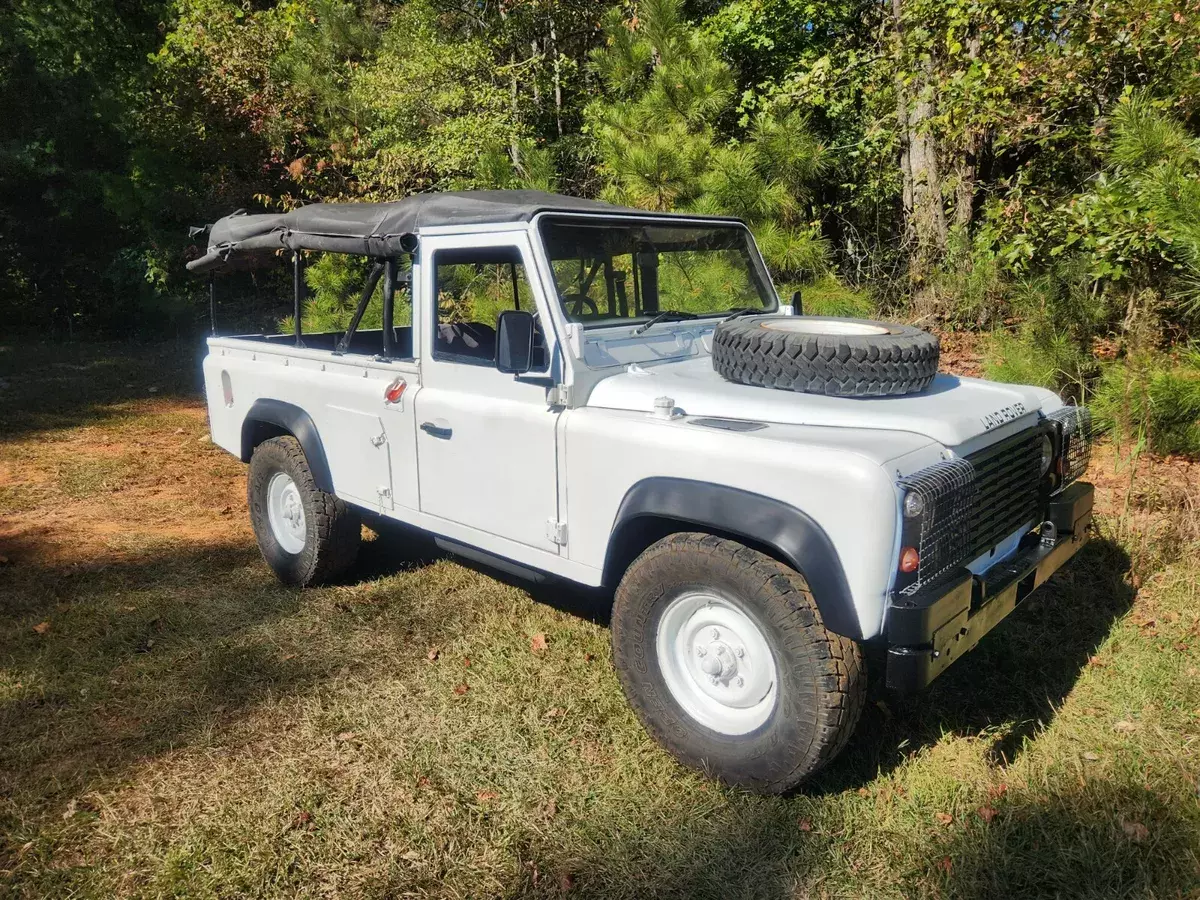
<point x="667" y="315"/>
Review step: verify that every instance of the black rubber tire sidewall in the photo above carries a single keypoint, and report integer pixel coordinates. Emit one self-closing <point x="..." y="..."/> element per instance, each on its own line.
<point x="805" y="729"/>
<point x="902" y="361"/>
<point x="332" y="529"/>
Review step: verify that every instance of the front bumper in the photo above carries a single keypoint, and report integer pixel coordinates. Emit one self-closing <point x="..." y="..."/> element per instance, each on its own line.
<point x="929" y="630"/>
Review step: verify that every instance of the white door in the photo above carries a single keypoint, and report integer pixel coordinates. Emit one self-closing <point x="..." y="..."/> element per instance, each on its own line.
<point x="486" y="451"/>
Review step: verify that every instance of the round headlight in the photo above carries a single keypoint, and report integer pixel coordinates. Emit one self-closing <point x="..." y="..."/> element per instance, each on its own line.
<point x="914" y="505"/>
<point x="1047" y="453"/>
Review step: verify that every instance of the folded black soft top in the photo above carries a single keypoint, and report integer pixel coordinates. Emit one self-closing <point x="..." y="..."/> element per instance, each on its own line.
<point x="377" y="229"/>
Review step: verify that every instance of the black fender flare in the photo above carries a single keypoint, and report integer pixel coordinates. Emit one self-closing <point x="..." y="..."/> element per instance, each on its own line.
<point x="791" y="533"/>
<point x="269" y="418"/>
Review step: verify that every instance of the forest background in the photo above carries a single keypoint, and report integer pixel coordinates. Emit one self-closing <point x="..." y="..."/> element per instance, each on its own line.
<point x="1025" y="170"/>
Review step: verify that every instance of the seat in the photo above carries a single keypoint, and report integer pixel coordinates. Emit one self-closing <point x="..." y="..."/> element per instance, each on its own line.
<point x="473" y="340"/>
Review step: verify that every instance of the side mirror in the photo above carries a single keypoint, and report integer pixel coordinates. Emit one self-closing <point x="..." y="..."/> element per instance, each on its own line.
<point x="797" y="302"/>
<point x="514" y="341"/>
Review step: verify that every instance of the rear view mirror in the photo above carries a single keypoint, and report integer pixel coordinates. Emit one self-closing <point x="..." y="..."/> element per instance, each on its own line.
<point x="514" y="341"/>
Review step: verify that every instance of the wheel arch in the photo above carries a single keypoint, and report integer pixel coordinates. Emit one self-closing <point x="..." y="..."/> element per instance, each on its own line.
<point x="273" y="418"/>
<point x="656" y="507"/>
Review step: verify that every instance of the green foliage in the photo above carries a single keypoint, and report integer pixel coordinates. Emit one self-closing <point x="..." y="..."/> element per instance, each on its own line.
<point x="1058" y="319"/>
<point x="1153" y="398"/>
<point x="1064" y="142"/>
<point x="663" y="141"/>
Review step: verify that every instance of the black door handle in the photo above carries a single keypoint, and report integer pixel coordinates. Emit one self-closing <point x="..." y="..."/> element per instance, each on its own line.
<point x="437" y="431"/>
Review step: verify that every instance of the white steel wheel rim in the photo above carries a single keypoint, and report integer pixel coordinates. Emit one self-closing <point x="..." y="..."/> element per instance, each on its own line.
<point x="717" y="663"/>
<point x="285" y="512"/>
<point x="806" y="325"/>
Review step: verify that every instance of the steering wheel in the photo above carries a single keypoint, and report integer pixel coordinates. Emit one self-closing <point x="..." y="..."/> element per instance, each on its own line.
<point x="574" y="304"/>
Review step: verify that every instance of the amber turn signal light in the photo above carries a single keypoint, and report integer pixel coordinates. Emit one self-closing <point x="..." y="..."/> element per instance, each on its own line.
<point x="909" y="560"/>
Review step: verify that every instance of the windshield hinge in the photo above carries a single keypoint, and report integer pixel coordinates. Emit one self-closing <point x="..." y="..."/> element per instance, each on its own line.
<point x="556" y="532"/>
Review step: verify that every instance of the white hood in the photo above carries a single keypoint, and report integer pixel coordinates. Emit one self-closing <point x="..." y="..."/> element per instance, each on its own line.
<point x="951" y="411"/>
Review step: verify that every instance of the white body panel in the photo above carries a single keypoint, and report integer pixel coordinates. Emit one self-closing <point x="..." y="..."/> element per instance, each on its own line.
<point x="503" y="470"/>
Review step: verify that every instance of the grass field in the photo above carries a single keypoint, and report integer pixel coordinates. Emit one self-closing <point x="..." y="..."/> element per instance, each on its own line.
<point x="174" y="723"/>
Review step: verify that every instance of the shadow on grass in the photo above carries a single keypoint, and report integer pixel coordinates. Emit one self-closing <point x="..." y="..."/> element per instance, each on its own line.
<point x="1012" y="682"/>
<point x="399" y="547"/>
<point x="45" y="386"/>
<point x="133" y="658"/>
<point x="1104" y="839"/>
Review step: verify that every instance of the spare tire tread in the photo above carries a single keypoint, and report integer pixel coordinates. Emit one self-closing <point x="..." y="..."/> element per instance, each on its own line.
<point x="898" y="363"/>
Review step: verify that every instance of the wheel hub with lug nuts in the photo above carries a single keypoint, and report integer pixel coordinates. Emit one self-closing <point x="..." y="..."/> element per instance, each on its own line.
<point x="285" y="512"/>
<point x="717" y="663"/>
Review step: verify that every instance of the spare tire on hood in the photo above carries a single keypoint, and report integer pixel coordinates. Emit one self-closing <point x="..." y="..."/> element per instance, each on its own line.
<point x="824" y="355"/>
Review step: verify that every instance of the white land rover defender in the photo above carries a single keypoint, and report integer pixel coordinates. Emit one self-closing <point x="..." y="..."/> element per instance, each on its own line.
<point x="764" y="491"/>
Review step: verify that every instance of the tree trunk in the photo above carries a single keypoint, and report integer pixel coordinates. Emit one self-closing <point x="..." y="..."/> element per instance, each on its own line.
<point x="557" y="77"/>
<point x="924" y="212"/>
<point x="967" y="165"/>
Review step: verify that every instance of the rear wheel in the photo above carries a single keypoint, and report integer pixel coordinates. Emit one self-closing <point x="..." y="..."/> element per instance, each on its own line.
<point x="723" y="654"/>
<point x="307" y="536"/>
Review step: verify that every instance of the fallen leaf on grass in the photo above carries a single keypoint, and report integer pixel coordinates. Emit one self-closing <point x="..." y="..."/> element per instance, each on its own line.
<point x="1090" y="756"/>
<point x="1096" y="662"/>
<point x="1125" y="727"/>
<point x="485" y="796"/>
<point x="944" y="818"/>
<point x="588" y="657"/>
<point x="945" y="864"/>
<point x="347" y="736"/>
<point x="566" y="881"/>
<point x="538" y="644"/>
<point x="987" y="813"/>
<point x="806" y="824"/>
<point x="550" y="808"/>
<point x="3" y="560"/>
<point x="461" y="689"/>
<point x="41" y="627"/>
<point x="997" y="791"/>
<point x="303" y="818"/>
<point x="1135" y="831"/>
<point x="433" y="653"/>
<point x="466" y="662"/>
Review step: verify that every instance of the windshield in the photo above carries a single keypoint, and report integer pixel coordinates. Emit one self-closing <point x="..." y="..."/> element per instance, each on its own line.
<point x="609" y="273"/>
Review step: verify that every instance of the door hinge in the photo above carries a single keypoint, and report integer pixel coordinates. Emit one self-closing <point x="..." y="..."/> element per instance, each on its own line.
<point x="379" y="440"/>
<point x="556" y="532"/>
<point x="559" y="395"/>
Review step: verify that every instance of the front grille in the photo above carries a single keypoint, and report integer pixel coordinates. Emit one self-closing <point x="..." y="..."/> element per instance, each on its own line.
<point x="1007" y="476"/>
<point x="972" y="504"/>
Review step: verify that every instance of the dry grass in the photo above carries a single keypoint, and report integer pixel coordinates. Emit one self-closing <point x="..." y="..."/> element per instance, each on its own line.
<point x="175" y="723"/>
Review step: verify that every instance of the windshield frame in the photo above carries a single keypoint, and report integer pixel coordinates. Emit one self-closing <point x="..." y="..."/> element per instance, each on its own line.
<point x="758" y="268"/>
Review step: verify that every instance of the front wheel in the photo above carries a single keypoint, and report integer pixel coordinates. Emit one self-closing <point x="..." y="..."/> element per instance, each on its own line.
<point x="307" y="536"/>
<point x="722" y="653"/>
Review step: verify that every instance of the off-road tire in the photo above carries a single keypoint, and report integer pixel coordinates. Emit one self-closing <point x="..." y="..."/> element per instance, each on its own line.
<point x="903" y="360"/>
<point x="333" y="530"/>
<point x="822" y="682"/>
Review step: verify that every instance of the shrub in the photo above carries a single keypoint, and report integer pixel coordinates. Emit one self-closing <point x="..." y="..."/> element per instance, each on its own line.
<point x="827" y="296"/>
<point x="1155" y="397"/>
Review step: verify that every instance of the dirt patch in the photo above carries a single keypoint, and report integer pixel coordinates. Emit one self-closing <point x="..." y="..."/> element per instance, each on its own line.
<point x="106" y="492"/>
<point x="961" y="354"/>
